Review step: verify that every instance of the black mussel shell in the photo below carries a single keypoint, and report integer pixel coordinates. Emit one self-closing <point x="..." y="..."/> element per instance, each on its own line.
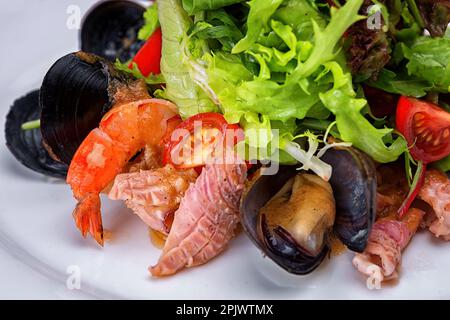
<point x="76" y="93"/>
<point x="26" y="145"/>
<point x="110" y="30"/>
<point x="354" y="187"/>
<point x="276" y="244"/>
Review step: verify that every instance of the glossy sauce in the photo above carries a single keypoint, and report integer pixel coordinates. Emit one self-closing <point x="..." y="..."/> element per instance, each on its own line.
<point x="157" y="238"/>
<point x="336" y="246"/>
<point x="107" y="235"/>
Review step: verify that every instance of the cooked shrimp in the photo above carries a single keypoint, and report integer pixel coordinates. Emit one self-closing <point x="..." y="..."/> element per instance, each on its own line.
<point x="104" y="153"/>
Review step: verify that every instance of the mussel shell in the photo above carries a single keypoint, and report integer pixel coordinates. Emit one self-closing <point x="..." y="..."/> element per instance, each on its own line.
<point x="354" y="187"/>
<point x="110" y="30"/>
<point x="26" y="145"/>
<point x="276" y="245"/>
<point x="76" y="93"/>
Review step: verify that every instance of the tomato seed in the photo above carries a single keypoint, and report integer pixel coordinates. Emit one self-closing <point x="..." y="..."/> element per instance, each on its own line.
<point x="420" y="130"/>
<point x="446" y="133"/>
<point x="436" y="142"/>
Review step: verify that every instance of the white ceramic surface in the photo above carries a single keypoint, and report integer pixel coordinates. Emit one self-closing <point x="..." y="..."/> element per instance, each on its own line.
<point x="38" y="239"/>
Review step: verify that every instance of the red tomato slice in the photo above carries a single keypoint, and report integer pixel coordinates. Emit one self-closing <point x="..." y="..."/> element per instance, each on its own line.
<point x="148" y="58"/>
<point x="192" y="141"/>
<point x="426" y="128"/>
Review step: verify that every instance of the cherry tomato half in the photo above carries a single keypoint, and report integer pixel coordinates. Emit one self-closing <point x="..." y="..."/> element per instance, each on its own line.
<point x="426" y="128"/>
<point x="192" y="141"/>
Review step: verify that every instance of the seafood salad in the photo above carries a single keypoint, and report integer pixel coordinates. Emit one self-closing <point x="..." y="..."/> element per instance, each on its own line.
<point x="319" y="126"/>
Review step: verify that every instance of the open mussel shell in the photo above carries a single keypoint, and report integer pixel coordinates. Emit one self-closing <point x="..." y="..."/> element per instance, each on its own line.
<point x="26" y="145"/>
<point x="110" y="29"/>
<point x="276" y="245"/>
<point x="76" y="93"/>
<point x="354" y="187"/>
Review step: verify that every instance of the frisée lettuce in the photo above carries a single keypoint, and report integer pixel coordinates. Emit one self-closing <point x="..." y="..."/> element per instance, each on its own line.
<point x="269" y="70"/>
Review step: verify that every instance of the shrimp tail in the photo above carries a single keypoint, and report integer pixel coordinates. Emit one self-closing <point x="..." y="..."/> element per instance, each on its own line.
<point x="88" y="217"/>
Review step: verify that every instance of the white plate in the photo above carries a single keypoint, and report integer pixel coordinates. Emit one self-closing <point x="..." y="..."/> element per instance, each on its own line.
<point x="36" y="224"/>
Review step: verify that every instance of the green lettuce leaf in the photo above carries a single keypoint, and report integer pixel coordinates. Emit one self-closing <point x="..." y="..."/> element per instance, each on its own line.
<point x="429" y="59"/>
<point x="257" y="21"/>
<point x="325" y="40"/>
<point x="189" y="97"/>
<point x="269" y="74"/>
<point x="352" y="125"/>
<point x="300" y="15"/>
<point x="151" y="22"/>
<point x="134" y="70"/>
<point x="259" y="99"/>
<point x="443" y="164"/>
<point x="194" y="6"/>
<point x="239" y="94"/>
<point x="420" y="68"/>
<point x="404" y="85"/>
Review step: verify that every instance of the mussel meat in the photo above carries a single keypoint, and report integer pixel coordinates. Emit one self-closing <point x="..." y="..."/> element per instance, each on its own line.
<point x="75" y="94"/>
<point x="289" y="216"/>
<point x="110" y="29"/>
<point x="26" y="145"/>
<point x="354" y="186"/>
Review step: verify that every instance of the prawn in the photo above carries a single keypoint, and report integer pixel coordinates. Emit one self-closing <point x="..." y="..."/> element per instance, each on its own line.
<point x="105" y="152"/>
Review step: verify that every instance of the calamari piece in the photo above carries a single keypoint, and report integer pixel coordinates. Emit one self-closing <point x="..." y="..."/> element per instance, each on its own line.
<point x="153" y="194"/>
<point x="382" y="256"/>
<point x="206" y="219"/>
<point x="436" y="192"/>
